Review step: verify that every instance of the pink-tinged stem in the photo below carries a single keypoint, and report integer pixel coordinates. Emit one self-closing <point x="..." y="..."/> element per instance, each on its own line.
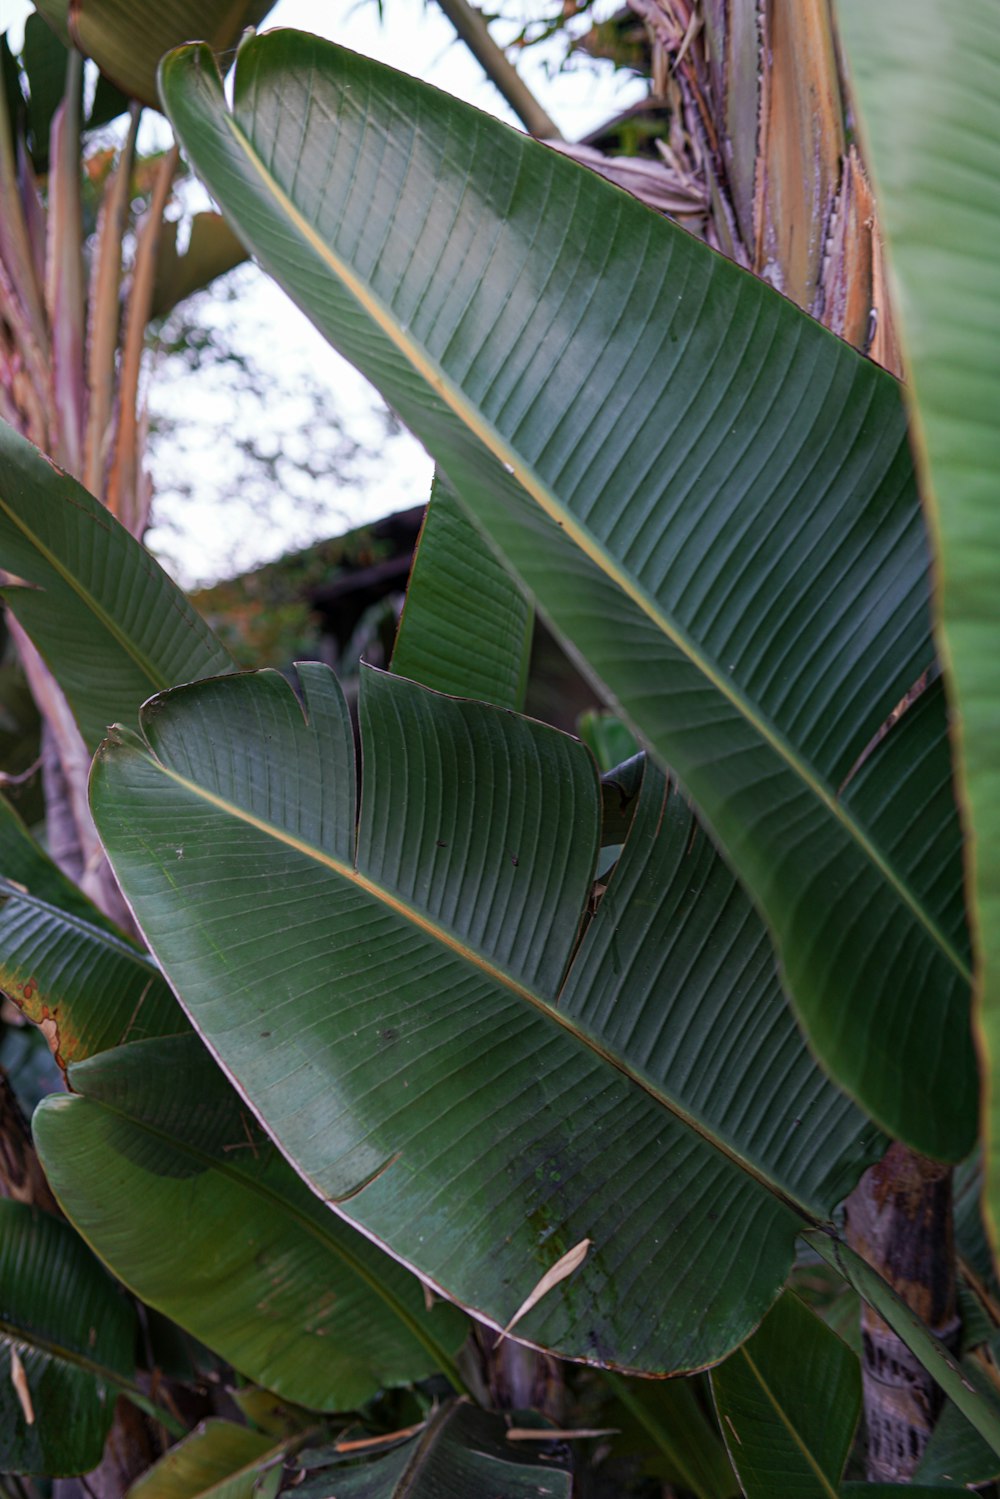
<point x="64" y="291"/>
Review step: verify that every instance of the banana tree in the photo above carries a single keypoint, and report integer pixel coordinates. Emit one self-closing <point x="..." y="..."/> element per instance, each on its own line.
<point x="549" y="1043"/>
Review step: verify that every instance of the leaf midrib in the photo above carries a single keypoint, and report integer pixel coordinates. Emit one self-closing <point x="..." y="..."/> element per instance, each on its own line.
<point x="449" y="941"/>
<point x="548" y="502"/>
<point x="28" y="1338"/>
<point x="788" y="1424"/>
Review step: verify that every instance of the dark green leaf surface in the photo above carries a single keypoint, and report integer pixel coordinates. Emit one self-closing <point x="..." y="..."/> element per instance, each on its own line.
<point x="927" y="82"/>
<point x="662" y="1423"/>
<point x="171" y="1181"/>
<point x="608" y="739"/>
<point x="466" y="625"/>
<point x="788" y="1403"/>
<point x="709" y="496"/>
<point x="24" y="862"/>
<point x="112" y="627"/>
<point x="971" y="1241"/>
<point x="391" y="1015"/>
<point x="74" y="1332"/>
<point x="461" y="1452"/>
<point x="891" y="1491"/>
<point x="218" y="1460"/>
<point x="956" y="1455"/>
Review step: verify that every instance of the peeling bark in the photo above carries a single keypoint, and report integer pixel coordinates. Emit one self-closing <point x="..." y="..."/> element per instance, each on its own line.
<point x="899" y="1219"/>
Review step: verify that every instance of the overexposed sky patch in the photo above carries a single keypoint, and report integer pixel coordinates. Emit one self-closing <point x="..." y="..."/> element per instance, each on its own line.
<point x="334" y="463"/>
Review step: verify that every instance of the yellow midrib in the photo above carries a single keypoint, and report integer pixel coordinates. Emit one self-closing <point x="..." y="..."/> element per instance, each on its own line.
<point x="786" y="1421"/>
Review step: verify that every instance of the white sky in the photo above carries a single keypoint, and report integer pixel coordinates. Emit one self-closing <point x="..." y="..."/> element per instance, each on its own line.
<point x="208" y="531"/>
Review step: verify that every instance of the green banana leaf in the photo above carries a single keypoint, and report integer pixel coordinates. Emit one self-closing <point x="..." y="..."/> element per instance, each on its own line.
<point x="68" y="1331"/>
<point x="608" y="739"/>
<point x="788" y="1403"/>
<point x="459" y="1452"/>
<point x="709" y="496"/>
<point x="110" y="624"/>
<point x="466" y="625"/>
<point x="927" y="82"/>
<point x="88" y="989"/>
<point x="127" y="43"/>
<point x="170" y="1180"/>
<point x="65" y="965"/>
<point x="24" y="862"/>
<point x="399" y="1015"/>
<point x="956" y="1456"/>
<point x="43" y="58"/>
<point x="891" y="1491"/>
<point x="218" y="1460"/>
<point x="266" y="1411"/>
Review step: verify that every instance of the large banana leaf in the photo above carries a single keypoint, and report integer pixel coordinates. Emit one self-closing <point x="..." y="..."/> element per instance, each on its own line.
<point x="394" y="1008"/>
<point x="663" y="1425"/>
<point x="788" y="1403"/>
<point x="927" y="80"/>
<point x="111" y="625"/>
<point x="66" y="1346"/>
<point x="127" y="42"/>
<point x="458" y="1453"/>
<point x="25" y="862"/>
<point x="709" y="495"/>
<point x="171" y="1181"/>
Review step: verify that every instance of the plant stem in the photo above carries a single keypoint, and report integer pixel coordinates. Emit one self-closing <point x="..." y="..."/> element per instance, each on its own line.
<point x="971" y="1393"/>
<point x="474" y="32"/>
